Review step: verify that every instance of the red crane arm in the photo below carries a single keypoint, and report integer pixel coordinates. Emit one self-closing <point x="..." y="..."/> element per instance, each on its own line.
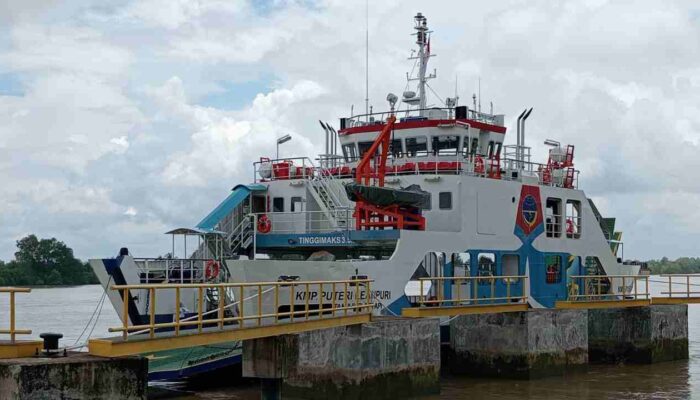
<point x="363" y="171"/>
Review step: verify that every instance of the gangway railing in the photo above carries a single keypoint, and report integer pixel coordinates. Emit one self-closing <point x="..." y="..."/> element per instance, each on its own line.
<point x="13" y="331"/>
<point x="679" y="289"/>
<point x="607" y="291"/>
<point x="446" y="296"/>
<point x="260" y="309"/>
<point x="181" y="270"/>
<point x="15" y="348"/>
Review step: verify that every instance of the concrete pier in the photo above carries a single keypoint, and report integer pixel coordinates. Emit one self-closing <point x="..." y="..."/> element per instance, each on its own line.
<point x="77" y="376"/>
<point x="639" y="334"/>
<point x="384" y="359"/>
<point x="519" y="345"/>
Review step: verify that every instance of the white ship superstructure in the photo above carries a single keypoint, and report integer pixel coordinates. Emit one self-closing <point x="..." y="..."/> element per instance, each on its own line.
<point x="491" y="211"/>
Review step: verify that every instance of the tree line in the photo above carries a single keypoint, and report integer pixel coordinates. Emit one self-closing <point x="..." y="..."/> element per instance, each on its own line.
<point x="682" y="265"/>
<point x="45" y="262"/>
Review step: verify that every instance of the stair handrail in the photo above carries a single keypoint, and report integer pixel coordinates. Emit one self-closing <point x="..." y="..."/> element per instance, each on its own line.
<point x="240" y="231"/>
<point x="332" y="185"/>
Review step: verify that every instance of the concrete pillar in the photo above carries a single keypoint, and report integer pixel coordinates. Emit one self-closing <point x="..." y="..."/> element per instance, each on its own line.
<point x="638" y="334"/>
<point x="78" y="376"/>
<point x="385" y="359"/>
<point x="271" y="389"/>
<point x="521" y="345"/>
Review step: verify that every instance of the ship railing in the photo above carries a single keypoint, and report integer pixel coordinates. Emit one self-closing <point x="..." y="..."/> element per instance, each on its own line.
<point x="284" y="169"/>
<point x="183" y="270"/>
<point x="13" y="331"/>
<point x="241" y="234"/>
<point x="255" y="304"/>
<point x="609" y="287"/>
<point x="308" y="221"/>
<point x="471" y="165"/>
<point x="299" y="168"/>
<point x="376" y="118"/>
<point x="470" y="290"/>
<point x="303" y="168"/>
<point x="681" y="285"/>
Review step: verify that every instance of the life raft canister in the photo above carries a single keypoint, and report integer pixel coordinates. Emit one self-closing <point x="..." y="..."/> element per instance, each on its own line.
<point x="211" y="269"/>
<point x="479" y="165"/>
<point x="264" y="224"/>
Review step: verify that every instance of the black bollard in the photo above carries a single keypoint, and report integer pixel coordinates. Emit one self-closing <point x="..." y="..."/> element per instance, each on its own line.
<point x="50" y="342"/>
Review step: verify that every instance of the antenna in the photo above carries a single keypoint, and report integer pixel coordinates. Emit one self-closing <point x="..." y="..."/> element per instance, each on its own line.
<point x="479" y="94"/>
<point x="367" y="58"/>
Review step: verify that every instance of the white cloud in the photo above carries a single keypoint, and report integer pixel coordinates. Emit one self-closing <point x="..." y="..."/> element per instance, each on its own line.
<point x="220" y="137"/>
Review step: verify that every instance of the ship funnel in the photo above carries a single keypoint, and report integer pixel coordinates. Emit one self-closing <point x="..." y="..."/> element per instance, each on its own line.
<point x="522" y="126"/>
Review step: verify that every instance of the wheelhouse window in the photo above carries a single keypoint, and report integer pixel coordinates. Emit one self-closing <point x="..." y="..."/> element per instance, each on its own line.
<point x="470" y="146"/>
<point x="350" y="152"/>
<point x="417" y="146"/>
<point x="490" y="149"/>
<point x="553" y="217"/>
<point x="573" y="219"/>
<point x="396" y="148"/>
<point x="445" y="200"/>
<point x="553" y="265"/>
<point x="445" y="145"/>
<point x="363" y="147"/>
<point x="278" y="204"/>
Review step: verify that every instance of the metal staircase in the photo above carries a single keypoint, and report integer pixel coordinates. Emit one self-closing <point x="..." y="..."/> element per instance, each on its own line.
<point x="329" y="194"/>
<point x="240" y="238"/>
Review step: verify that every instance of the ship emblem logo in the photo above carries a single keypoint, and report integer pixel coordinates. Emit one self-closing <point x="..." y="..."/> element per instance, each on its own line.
<point x="529" y="210"/>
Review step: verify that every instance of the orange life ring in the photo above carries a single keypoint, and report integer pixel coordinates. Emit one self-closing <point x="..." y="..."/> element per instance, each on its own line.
<point x="264" y="224"/>
<point x="211" y="269"/>
<point x="569" y="226"/>
<point x="479" y="165"/>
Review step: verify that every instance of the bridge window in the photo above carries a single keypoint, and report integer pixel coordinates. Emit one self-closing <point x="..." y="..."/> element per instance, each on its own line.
<point x="445" y="200"/>
<point x="396" y="148"/>
<point x="573" y="219"/>
<point x="417" y="146"/>
<point x="278" y="204"/>
<point x="445" y="145"/>
<point x="490" y="149"/>
<point x="486" y="264"/>
<point x="364" y="147"/>
<point x="553" y="268"/>
<point x="350" y="152"/>
<point x="470" y="149"/>
<point x="553" y="217"/>
<point x="460" y="263"/>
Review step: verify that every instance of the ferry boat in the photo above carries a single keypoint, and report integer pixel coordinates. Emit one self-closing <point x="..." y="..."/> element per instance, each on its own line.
<point x="413" y="192"/>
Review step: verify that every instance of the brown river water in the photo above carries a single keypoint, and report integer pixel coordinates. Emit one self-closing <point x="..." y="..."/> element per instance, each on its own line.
<point x="67" y="310"/>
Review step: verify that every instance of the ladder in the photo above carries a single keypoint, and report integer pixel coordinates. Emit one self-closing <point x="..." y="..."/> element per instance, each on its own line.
<point x="329" y="194"/>
<point x="240" y="238"/>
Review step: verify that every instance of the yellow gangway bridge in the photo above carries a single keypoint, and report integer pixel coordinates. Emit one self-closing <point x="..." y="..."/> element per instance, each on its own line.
<point x="352" y="303"/>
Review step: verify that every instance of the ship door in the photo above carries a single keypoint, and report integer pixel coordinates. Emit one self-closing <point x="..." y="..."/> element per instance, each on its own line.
<point x="548" y="278"/>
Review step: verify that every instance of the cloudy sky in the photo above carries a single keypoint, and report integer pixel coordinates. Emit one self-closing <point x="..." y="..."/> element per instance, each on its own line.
<point x="119" y="121"/>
